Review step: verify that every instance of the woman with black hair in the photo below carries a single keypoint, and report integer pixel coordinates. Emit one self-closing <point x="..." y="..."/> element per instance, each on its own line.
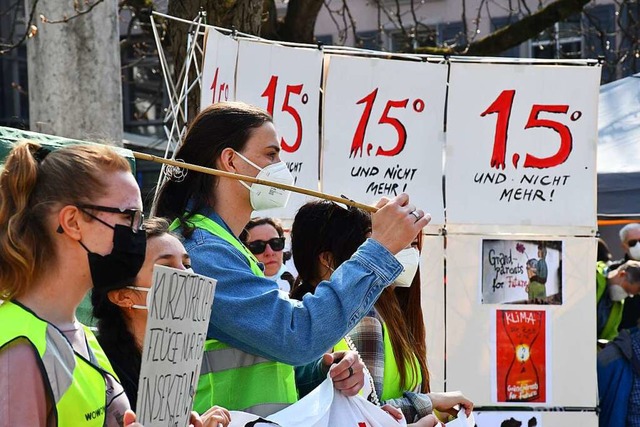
<point x="122" y="313"/>
<point x="391" y="338"/>
<point x="264" y="237"/>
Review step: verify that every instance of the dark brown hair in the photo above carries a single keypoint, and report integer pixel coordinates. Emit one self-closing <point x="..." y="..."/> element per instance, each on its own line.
<point x="219" y="126"/>
<point x="327" y="227"/>
<point x="255" y="222"/>
<point x="114" y="335"/>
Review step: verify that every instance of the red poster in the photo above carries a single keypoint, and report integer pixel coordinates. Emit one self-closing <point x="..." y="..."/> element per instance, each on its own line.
<point x="521" y="355"/>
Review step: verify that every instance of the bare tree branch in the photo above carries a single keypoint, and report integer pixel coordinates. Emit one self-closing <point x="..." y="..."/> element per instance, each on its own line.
<point x="78" y="12"/>
<point x="516" y="33"/>
<point x="29" y="31"/>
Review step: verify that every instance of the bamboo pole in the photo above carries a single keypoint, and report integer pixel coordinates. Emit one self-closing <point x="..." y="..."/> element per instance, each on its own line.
<point x="250" y="179"/>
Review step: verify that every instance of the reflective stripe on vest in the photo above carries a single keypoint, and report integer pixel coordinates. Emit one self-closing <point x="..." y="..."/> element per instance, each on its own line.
<point x="231" y="378"/>
<point x="75" y="385"/>
<point x="391" y="387"/>
<point x="610" y="329"/>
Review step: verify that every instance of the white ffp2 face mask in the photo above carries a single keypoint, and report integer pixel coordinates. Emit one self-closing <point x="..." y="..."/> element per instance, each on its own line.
<point x="139" y="288"/>
<point x="265" y="196"/>
<point x="634" y="252"/>
<point x="617" y="293"/>
<point x="410" y="259"/>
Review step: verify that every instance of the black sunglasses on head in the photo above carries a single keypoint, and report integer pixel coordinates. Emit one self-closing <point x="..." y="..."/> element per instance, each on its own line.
<point x="259" y="246"/>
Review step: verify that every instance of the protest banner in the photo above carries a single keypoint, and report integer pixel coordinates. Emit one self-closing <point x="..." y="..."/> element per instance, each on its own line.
<point x="218" y="68"/>
<point x="179" y="306"/>
<point x="521" y="144"/>
<point x="479" y="357"/>
<point x="383" y="130"/>
<point x="285" y="81"/>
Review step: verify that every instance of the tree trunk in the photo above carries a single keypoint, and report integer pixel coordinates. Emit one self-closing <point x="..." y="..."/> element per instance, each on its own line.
<point x="300" y="21"/>
<point x="243" y="15"/>
<point x="75" y="89"/>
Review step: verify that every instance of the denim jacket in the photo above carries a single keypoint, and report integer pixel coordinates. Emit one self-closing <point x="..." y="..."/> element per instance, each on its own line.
<point x="250" y="313"/>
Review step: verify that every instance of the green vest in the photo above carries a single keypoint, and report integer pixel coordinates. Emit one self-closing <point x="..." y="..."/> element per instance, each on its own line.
<point x="391" y="387"/>
<point x="76" y="386"/>
<point x="231" y="378"/>
<point x="610" y="330"/>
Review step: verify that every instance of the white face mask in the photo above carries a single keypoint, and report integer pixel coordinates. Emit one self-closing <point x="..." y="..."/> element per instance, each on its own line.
<point x="139" y="288"/>
<point x="617" y="293"/>
<point x="634" y="252"/>
<point x="264" y="196"/>
<point x="410" y="259"/>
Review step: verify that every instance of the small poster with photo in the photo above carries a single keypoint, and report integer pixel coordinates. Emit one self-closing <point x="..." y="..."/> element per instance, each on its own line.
<point x="521" y="272"/>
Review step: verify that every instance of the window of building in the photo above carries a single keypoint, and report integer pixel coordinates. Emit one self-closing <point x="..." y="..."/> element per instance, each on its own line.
<point x="14" y="95"/>
<point x="144" y="96"/>
<point x="414" y="38"/>
<point x="561" y="41"/>
<point x="501" y="22"/>
<point x="371" y="40"/>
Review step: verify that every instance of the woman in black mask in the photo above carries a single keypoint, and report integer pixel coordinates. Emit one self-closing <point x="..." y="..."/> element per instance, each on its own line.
<point x="70" y="220"/>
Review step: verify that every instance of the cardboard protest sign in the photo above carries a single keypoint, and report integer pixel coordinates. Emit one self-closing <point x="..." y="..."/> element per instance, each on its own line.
<point x="179" y="309"/>
<point x="383" y="130"/>
<point x="285" y="81"/>
<point x="521" y="144"/>
<point x="521" y="272"/>
<point x="521" y="356"/>
<point x="218" y="69"/>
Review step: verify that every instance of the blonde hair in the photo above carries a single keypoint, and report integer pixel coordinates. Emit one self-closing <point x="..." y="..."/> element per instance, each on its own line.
<point x="31" y="186"/>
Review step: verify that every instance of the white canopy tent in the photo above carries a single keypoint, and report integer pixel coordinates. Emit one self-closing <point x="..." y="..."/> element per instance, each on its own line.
<point x="619" y="149"/>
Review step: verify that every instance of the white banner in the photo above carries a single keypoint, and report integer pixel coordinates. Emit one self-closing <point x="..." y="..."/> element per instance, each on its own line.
<point x="286" y="82"/>
<point x="521" y="144"/>
<point x="219" y="69"/>
<point x="480" y="348"/>
<point x="179" y="309"/>
<point x="383" y="123"/>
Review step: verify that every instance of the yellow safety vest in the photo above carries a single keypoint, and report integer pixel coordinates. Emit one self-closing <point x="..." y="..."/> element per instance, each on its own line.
<point x="231" y="378"/>
<point x="391" y="387"/>
<point x="76" y="386"/>
<point x="610" y="329"/>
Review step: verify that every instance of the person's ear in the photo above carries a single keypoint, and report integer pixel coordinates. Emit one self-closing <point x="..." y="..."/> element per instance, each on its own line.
<point x="121" y="298"/>
<point x="226" y="160"/>
<point x="69" y="222"/>
<point x="326" y="260"/>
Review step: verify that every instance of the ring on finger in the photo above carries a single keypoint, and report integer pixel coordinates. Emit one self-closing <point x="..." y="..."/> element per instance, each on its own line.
<point x="416" y="214"/>
<point x="350" y="372"/>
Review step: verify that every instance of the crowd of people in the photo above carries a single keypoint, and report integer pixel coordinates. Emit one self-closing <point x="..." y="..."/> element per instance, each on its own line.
<point x="72" y="224"/>
<point x="617" y="314"/>
<point x="71" y="221"/>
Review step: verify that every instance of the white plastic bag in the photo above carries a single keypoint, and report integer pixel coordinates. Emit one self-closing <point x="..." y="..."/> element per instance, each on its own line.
<point x="462" y="420"/>
<point x="324" y="407"/>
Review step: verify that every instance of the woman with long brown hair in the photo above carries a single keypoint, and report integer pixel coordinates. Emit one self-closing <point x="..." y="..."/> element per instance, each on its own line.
<point x="391" y="338"/>
<point x="256" y="333"/>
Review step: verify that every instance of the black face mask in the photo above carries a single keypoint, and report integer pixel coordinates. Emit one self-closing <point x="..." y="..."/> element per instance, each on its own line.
<point x="121" y="266"/>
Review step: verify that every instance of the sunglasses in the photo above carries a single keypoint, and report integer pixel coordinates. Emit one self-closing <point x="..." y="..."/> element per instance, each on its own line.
<point x="259" y="246"/>
<point x="631" y="243"/>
